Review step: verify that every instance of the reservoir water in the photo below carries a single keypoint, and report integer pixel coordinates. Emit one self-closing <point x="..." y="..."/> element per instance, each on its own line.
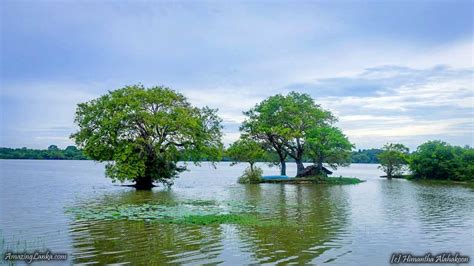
<point x="360" y="224"/>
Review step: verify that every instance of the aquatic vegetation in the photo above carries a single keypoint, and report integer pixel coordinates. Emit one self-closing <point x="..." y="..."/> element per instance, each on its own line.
<point x="340" y="180"/>
<point x="251" y="176"/>
<point x="202" y="212"/>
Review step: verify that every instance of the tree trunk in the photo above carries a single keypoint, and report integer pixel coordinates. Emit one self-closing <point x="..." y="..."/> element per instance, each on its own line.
<point x="251" y="167"/>
<point x="144" y="183"/>
<point x="282" y="167"/>
<point x="299" y="167"/>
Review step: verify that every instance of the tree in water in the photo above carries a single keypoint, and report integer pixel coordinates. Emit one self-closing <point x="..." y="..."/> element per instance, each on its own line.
<point x="393" y="159"/>
<point x="142" y="133"/>
<point x="327" y="144"/>
<point x="283" y="122"/>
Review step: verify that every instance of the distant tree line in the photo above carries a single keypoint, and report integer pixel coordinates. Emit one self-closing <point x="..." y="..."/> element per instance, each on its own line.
<point x="357" y="156"/>
<point x="73" y="153"/>
<point x="366" y="156"/>
<point x="431" y="160"/>
<point x="52" y="153"/>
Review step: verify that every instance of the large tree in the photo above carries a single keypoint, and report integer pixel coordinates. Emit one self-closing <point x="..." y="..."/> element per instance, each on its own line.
<point x="393" y="159"/>
<point x="327" y="144"/>
<point x="282" y="122"/>
<point x="142" y="133"/>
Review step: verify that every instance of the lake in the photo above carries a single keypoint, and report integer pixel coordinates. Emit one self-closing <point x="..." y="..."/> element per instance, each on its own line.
<point x="344" y="225"/>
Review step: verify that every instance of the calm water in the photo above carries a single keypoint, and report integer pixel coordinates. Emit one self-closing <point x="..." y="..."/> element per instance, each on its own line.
<point x="341" y="225"/>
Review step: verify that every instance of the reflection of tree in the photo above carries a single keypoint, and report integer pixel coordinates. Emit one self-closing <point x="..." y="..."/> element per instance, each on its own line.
<point x="140" y="242"/>
<point x="314" y="214"/>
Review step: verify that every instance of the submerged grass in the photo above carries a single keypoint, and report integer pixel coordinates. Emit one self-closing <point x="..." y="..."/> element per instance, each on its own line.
<point x="241" y="219"/>
<point x="198" y="212"/>
<point x="339" y="180"/>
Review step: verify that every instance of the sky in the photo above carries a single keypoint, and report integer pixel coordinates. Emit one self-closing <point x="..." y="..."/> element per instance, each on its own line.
<point x="392" y="71"/>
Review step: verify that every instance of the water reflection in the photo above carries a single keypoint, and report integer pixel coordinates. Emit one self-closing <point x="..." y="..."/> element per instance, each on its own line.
<point x="347" y="225"/>
<point x="309" y="219"/>
<point x="141" y="242"/>
<point x="313" y="221"/>
<point x="443" y="212"/>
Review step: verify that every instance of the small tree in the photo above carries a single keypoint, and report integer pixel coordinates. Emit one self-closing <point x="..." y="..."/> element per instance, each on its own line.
<point x="142" y="133"/>
<point x="246" y="150"/>
<point x="393" y="159"/>
<point x="251" y="176"/>
<point x="329" y="145"/>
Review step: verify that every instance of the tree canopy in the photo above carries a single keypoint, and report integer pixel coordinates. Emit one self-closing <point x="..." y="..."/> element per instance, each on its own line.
<point x="283" y="122"/>
<point x="439" y="160"/>
<point x="393" y="159"/>
<point x="327" y="144"/>
<point x="142" y="133"/>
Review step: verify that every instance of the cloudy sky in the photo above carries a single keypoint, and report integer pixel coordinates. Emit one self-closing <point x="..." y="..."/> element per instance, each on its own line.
<point x="392" y="71"/>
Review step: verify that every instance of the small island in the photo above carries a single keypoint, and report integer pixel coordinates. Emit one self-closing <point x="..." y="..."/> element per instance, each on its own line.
<point x="314" y="180"/>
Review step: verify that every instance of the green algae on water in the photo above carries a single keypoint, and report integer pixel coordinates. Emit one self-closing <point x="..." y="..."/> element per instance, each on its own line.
<point x="198" y="212"/>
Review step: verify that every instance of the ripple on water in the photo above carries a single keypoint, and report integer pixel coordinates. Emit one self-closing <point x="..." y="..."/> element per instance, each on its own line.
<point x="332" y="224"/>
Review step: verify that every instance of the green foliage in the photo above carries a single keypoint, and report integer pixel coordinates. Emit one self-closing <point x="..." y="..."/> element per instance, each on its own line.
<point x="246" y="150"/>
<point x="393" y="159"/>
<point x="366" y="156"/>
<point x="282" y="123"/>
<point x="142" y="133"/>
<point x="251" y="176"/>
<point x="439" y="160"/>
<point x="70" y="153"/>
<point x="328" y="145"/>
<point x="53" y="148"/>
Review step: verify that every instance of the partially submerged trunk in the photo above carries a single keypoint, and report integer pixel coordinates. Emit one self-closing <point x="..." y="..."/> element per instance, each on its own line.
<point x="144" y="183"/>
<point x="389" y="172"/>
